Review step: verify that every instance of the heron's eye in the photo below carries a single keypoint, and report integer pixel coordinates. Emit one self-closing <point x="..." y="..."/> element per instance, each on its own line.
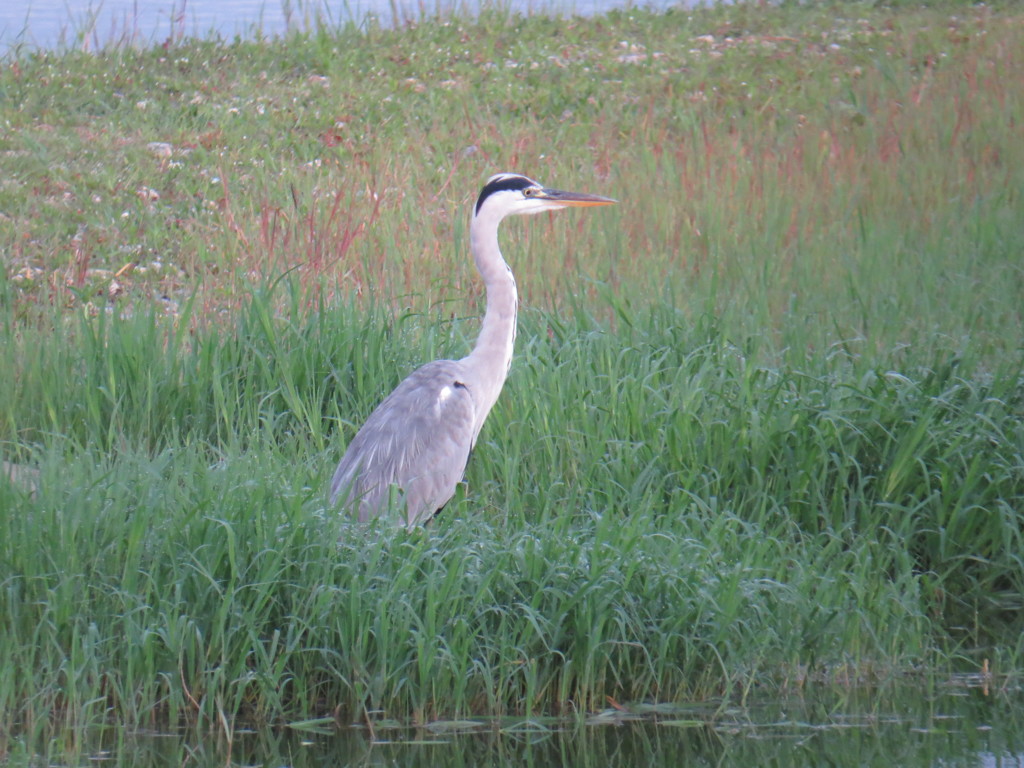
<point x="529" y="192"/>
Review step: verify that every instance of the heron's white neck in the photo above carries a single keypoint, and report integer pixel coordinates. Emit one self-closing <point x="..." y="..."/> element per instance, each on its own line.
<point x="492" y="355"/>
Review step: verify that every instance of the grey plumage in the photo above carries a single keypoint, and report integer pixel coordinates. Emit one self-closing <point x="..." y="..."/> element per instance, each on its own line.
<point x="412" y="451"/>
<point x="418" y="439"/>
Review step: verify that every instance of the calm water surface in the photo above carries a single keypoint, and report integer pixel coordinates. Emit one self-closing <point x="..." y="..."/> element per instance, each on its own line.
<point x="64" y="23"/>
<point x="956" y="726"/>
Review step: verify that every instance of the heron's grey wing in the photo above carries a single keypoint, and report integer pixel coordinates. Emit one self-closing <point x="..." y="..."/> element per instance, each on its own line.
<point x="418" y="439"/>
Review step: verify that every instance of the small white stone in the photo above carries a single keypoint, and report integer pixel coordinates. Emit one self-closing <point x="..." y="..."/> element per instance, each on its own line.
<point x="160" y="149"/>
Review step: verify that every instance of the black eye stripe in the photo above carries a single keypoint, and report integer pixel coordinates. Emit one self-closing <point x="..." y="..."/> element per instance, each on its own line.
<point x="502" y="184"/>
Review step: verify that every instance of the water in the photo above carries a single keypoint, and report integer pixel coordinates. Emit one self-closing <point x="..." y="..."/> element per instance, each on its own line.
<point x="92" y="23"/>
<point x="957" y="726"/>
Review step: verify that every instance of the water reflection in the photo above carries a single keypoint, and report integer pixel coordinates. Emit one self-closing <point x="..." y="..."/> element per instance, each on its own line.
<point x="960" y="727"/>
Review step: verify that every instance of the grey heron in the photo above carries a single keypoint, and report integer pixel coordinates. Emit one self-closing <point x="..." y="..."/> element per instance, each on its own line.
<point x="412" y="451"/>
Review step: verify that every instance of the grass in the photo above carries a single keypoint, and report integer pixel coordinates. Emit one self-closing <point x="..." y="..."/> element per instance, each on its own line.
<point x="764" y="428"/>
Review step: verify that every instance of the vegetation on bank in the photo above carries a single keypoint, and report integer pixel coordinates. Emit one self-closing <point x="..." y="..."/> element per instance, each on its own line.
<point x="765" y="426"/>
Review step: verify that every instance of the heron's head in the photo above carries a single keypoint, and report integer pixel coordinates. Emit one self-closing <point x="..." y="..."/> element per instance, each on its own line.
<point x="508" y="194"/>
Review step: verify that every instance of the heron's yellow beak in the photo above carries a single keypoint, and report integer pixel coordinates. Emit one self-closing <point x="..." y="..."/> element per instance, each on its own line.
<point x="576" y="199"/>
